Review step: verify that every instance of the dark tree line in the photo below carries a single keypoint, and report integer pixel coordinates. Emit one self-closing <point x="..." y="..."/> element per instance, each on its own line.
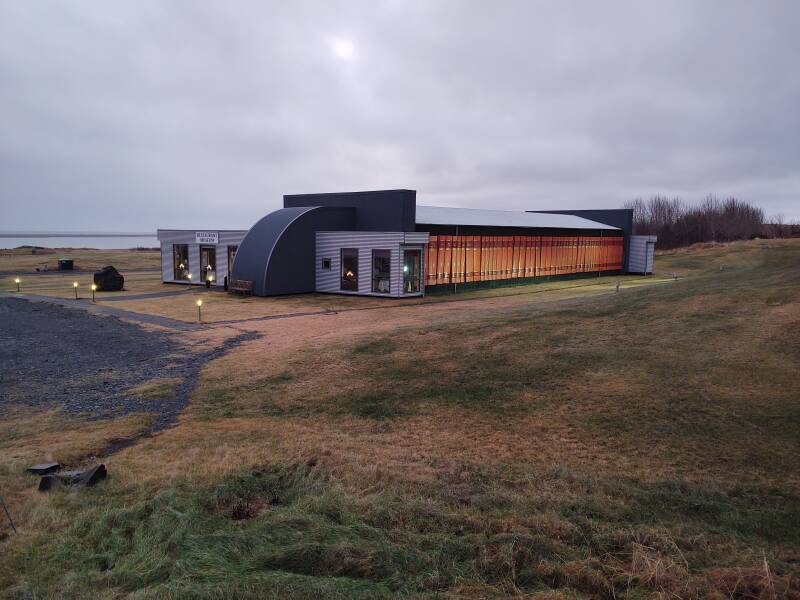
<point x="677" y="223"/>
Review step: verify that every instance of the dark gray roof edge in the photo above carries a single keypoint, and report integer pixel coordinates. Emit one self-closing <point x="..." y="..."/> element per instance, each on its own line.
<point x="329" y="194"/>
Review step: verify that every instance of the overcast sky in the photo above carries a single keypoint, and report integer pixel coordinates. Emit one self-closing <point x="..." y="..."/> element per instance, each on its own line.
<point x="135" y="115"/>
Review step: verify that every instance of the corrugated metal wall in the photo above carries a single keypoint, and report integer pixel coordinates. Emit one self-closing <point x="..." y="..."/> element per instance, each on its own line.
<point x="330" y="244"/>
<point x="467" y="258"/>
<point x="168" y="237"/>
<point x="642" y="253"/>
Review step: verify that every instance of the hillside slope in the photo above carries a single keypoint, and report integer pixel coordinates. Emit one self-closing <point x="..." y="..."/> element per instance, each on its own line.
<point x="639" y="443"/>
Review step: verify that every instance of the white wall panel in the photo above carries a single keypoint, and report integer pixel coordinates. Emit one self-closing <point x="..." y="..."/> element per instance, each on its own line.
<point x="642" y="253"/>
<point x="330" y="244"/>
<point x="168" y="237"/>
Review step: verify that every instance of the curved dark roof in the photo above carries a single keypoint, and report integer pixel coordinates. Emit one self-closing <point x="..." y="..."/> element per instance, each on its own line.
<point x="278" y="253"/>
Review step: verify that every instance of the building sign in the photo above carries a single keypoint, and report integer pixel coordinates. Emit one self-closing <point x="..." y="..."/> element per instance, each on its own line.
<point x="206" y="237"/>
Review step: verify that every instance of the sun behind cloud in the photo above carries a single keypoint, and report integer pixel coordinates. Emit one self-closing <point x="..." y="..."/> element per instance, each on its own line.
<point x="343" y="48"/>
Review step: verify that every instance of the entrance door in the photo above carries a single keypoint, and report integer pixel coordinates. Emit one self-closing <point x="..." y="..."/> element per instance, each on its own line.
<point x="231" y="254"/>
<point x="208" y="263"/>
<point x="412" y="270"/>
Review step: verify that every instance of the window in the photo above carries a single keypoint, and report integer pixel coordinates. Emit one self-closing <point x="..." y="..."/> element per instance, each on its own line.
<point x="231" y="255"/>
<point x="208" y="263"/>
<point x="349" y="269"/>
<point x="180" y="262"/>
<point x="411" y="271"/>
<point x="326" y="264"/>
<point x="381" y="271"/>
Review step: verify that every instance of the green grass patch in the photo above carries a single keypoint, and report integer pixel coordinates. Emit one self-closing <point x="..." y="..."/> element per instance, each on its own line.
<point x="292" y="529"/>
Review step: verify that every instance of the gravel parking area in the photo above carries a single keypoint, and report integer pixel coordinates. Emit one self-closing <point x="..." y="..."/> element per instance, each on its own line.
<point x="53" y="356"/>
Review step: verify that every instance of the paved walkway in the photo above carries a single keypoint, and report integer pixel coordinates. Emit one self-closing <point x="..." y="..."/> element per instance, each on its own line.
<point x="145" y="296"/>
<point x="170" y="323"/>
<point x="99" y="309"/>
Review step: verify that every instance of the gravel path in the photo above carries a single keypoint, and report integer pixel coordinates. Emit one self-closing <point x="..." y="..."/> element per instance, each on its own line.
<point x="98" y="309"/>
<point x="52" y="356"/>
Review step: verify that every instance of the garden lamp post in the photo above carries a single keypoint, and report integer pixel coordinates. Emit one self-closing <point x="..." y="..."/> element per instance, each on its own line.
<point x="75" y="287"/>
<point x="199" y="316"/>
<point x="16" y="280"/>
<point x="94" y="288"/>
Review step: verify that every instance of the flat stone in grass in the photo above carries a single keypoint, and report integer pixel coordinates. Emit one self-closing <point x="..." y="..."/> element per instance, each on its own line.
<point x="83" y="478"/>
<point x="43" y="468"/>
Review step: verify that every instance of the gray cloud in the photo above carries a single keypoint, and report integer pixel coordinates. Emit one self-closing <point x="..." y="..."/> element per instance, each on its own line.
<point x="200" y="113"/>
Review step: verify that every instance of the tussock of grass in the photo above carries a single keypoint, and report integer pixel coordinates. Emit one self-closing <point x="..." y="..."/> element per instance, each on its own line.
<point x="156" y="388"/>
<point x="311" y="534"/>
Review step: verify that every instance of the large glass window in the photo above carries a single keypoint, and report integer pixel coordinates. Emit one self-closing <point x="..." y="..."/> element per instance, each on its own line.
<point x="231" y="255"/>
<point x="349" y="269"/>
<point x="412" y="270"/>
<point x="381" y="271"/>
<point x="180" y="262"/>
<point x="208" y="263"/>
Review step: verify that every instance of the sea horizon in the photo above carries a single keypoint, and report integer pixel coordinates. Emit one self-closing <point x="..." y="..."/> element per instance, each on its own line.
<point x="74" y="239"/>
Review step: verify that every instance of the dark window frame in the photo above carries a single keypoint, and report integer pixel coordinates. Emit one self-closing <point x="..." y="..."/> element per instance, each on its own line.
<point x="416" y="281"/>
<point x="388" y="272"/>
<point x="348" y="283"/>
<point x="180" y="274"/>
<point x="204" y="271"/>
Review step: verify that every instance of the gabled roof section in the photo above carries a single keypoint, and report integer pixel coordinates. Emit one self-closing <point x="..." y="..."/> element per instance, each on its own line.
<point x="442" y="215"/>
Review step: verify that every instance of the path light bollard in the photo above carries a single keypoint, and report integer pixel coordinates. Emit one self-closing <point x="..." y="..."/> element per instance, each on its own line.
<point x="75" y="287"/>
<point x="618" y="286"/>
<point x="208" y="281"/>
<point x="189" y="277"/>
<point x="16" y="280"/>
<point x="675" y="276"/>
<point x="94" y="289"/>
<point x="199" y="316"/>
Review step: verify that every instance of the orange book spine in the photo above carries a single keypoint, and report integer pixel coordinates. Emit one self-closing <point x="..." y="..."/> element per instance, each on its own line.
<point x="468" y="258"/>
<point x="440" y="271"/>
<point x="509" y="263"/>
<point x="494" y="269"/>
<point x="509" y="257"/>
<point x="430" y="261"/>
<point x="455" y="276"/>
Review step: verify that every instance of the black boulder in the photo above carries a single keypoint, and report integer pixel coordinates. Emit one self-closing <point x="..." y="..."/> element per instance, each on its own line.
<point x="108" y="279"/>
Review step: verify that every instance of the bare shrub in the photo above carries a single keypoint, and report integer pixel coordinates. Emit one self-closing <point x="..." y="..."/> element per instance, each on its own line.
<point x="679" y="224"/>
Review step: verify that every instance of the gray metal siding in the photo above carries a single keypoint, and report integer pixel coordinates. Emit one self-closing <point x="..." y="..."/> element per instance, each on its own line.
<point x="166" y="262"/>
<point x="169" y="237"/>
<point x="641" y="255"/>
<point x="330" y="243"/>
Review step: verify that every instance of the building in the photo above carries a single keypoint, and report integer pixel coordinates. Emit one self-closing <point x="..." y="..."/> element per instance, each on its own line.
<point x="192" y="256"/>
<point x="381" y="243"/>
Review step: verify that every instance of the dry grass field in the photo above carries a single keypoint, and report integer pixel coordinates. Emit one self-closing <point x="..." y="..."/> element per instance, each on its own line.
<point x="550" y="442"/>
<point x="27" y="260"/>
